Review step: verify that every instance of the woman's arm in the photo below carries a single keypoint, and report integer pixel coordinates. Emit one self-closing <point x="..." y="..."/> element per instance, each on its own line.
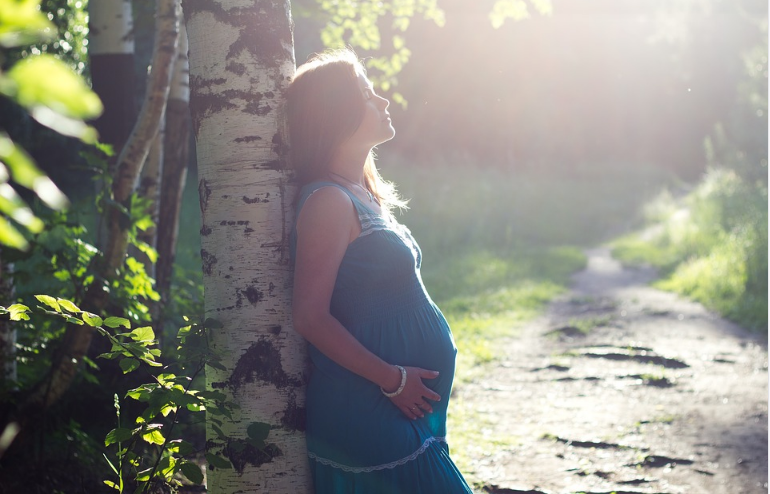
<point x="325" y="227"/>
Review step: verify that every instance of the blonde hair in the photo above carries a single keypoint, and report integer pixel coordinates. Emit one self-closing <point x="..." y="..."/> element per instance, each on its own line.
<point x="325" y="107"/>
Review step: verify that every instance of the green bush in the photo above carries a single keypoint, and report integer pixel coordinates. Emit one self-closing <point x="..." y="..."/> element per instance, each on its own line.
<point x="710" y="245"/>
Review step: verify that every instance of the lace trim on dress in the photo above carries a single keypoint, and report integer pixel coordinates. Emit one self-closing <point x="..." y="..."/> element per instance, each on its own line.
<point x="371" y="222"/>
<point x="384" y="466"/>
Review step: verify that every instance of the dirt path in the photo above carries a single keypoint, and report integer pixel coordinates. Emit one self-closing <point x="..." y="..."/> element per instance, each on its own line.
<point x="623" y="388"/>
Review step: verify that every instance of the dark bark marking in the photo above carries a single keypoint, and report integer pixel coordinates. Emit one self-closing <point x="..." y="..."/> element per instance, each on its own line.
<point x="233" y="222"/>
<point x="253" y="295"/>
<point x="203" y="103"/>
<point x="205" y="230"/>
<point x="203" y="194"/>
<point x="248" y="139"/>
<point x="261" y="361"/>
<point x="271" y="289"/>
<point x="276" y="165"/>
<point x="264" y="38"/>
<point x="251" y="201"/>
<point x="248" y="230"/>
<point x="254" y="108"/>
<point x="236" y="68"/>
<point x="208" y="260"/>
<point x="278" y="145"/>
<point x="276" y="330"/>
<point x="294" y="417"/>
<point x="241" y="453"/>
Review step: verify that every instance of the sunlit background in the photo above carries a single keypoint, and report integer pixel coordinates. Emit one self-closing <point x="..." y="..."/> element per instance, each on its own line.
<point x="527" y="131"/>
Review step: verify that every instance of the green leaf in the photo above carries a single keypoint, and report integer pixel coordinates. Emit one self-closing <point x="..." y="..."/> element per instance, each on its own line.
<point x="22" y="23"/>
<point x="91" y="319"/>
<point x="148" y="250"/>
<point x="11" y="237"/>
<point x="213" y="395"/>
<point x="118" y="435"/>
<point x="114" y="322"/>
<point x="12" y="205"/>
<point x="218" y="431"/>
<point x="144" y="475"/>
<point x="180" y="447"/>
<point x="26" y="174"/>
<point x="49" y="301"/>
<point x="44" y="81"/>
<point x="144" y="333"/>
<point x="18" y="312"/>
<point x="112" y="484"/>
<point x="218" y="461"/>
<point x="67" y="305"/>
<point x="129" y="365"/>
<point x="166" y="467"/>
<point x="258" y="430"/>
<point x="192" y="472"/>
<point x="216" y="365"/>
<point x="111" y="465"/>
<point x="72" y="320"/>
<point x="154" y="436"/>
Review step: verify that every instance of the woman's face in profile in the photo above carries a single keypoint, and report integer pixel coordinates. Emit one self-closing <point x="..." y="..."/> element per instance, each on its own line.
<point x="376" y="126"/>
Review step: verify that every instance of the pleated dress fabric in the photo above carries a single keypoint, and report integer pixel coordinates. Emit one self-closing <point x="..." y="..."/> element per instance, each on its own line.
<point x="358" y="441"/>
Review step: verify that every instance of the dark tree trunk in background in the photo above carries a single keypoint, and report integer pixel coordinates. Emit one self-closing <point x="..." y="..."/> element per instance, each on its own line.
<point x="111" y="49"/>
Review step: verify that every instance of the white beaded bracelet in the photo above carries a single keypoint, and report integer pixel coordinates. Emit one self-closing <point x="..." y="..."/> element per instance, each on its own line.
<point x="400" y="386"/>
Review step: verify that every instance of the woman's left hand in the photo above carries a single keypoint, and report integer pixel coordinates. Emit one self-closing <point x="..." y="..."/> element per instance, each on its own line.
<point x="413" y="399"/>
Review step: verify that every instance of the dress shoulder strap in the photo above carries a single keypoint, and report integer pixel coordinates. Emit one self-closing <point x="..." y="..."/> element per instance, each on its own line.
<point x="365" y="216"/>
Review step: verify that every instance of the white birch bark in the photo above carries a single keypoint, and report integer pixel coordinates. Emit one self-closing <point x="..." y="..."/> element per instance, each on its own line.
<point x="241" y="59"/>
<point x="110" y="24"/>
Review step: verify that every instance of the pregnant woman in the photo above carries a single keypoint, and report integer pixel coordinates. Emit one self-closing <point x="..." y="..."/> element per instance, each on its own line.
<point x="382" y="354"/>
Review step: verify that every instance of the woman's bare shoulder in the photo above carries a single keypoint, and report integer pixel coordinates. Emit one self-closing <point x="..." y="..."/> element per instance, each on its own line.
<point x="326" y="207"/>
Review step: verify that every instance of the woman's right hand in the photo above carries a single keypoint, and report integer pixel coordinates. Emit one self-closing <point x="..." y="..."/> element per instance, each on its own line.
<point x="413" y="400"/>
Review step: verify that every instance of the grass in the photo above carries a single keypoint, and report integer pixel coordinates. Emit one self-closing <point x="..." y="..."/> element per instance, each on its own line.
<point x="710" y="245"/>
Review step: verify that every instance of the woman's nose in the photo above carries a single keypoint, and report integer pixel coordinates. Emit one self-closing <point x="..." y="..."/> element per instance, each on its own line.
<point x="383" y="103"/>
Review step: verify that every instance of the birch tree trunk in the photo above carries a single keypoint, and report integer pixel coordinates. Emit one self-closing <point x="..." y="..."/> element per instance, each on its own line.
<point x="241" y="59"/>
<point x="149" y="188"/>
<point x="134" y="154"/>
<point x="111" y="51"/>
<point x="175" y="160"/>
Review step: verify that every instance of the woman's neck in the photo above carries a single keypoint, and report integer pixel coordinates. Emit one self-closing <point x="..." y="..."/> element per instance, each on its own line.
<point x="349" y="164"/>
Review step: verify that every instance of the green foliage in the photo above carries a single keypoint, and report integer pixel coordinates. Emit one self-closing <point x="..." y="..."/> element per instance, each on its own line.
<point x="55" y="96"/>
<point x="710" y="245"/>
<point x="147" y="450"/>
<point x="517" y="10"/>
<point x="361" y="25"/>
<point x="65" y="26"/>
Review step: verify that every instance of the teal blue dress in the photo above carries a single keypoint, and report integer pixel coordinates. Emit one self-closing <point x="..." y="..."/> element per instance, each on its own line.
<point x="358" y="441"/>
